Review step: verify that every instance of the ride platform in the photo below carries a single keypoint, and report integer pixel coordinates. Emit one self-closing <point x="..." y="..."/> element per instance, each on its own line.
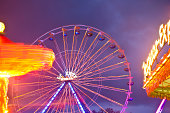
<point x="158" y="85"/>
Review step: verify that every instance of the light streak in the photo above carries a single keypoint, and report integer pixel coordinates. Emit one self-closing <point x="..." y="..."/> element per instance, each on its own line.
<point x="46" y="107"/>
<point x="17" y="59"/>
<point x="78" y="101"/>
<point x="164" y="37"/>
<point x="160" y="108"/>
<point x="3" y="94"/>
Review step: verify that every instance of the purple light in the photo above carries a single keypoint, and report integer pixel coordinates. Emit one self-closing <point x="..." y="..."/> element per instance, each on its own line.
<point x="46" y="107"/>
<point x="78" y="101"/>
<point x="160" y="108"/>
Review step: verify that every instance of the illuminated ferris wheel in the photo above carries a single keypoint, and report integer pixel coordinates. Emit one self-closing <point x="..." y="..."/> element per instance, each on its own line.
<point x="90" y="72"/>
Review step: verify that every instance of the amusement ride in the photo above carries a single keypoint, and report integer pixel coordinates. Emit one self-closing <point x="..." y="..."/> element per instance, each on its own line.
<point x="157" y="68"/>
<point x="17" y="59"/>
<point x="90" y="72"/>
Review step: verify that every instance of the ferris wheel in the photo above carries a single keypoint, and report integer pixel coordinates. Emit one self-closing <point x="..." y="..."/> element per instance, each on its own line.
<point x="90" y="72"/>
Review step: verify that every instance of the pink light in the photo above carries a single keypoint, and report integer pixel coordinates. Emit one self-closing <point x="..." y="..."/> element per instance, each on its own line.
<point x="160" y="108"/>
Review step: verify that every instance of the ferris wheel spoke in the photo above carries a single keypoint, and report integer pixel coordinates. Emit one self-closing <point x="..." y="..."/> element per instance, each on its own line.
<point x="86" y="65"/>
<point x="58" y="66"/>
<point x="52" y="73"/>
<point x="79" y="48"/>
<point x="43" y="76"/>
<point x="67" y="100"/>
<point x="102" y="70"/>
<point x="90" y="98"/>
<point x="65" y="48"/>
<point x="85" y="59"/>
<point x="64" y="102"/>
<point x="35" y="100"/>
<point x="38" y="90"/>
<point x="72" y="48"/>
<point x="59" y="101"/>
<point x="47" y="107"/>
<point x="98" y="63"/>
<point x="91" y="74"/>
<point x="89" y="62"/>
<point x="70" y="100"/>
<point x="31" y="95"/>
<point x="54" y="59"/>
<point x="33" y="83"/>
<point x="96" y="93"/>
<point x="104" y="87"/>
<point x="55" y="69"/>
<point x="43" y="104"/>
<point x="58" y="49"/>
<point x="74" y="53"/>
<point x="107" y="78"/>
<point x="82" y="49"/>
<point x="84" y="102"/>
<point x="86" y="62"/>
<point x="88" y="49"/>
<point x="94" y="54"/>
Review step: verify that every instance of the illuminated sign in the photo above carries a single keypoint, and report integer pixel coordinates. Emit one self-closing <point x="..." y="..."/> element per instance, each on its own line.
<point x="164" y="37"/>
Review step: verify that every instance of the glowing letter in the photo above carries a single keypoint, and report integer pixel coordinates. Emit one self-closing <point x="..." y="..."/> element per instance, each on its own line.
<point x="162" y="34"/>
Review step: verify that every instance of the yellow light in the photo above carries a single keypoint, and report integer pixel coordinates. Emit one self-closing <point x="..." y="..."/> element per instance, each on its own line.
<point x="19" y="59"/>
<point x="3" y="94"/>
<point x="2" y="27"/>
<point x="164" y="37"/>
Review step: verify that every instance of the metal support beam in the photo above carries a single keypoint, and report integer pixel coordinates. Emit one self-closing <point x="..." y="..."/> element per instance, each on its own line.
<point x="75" y="95"/>
<point x="46" y="107"/>
<point x="160" y="108"/>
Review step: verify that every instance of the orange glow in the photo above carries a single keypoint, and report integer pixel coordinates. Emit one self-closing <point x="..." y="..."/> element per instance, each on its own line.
<point x="147" y="66"/>
<point x="164" y="33"/>
<point x="156" y="81"/>
<point x="157" y="85"/>
<point x="17" y="59"/>
<point x="3" y="94"/>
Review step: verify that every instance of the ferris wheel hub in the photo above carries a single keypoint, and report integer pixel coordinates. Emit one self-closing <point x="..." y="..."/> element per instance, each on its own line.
<point x="68" y="76"/>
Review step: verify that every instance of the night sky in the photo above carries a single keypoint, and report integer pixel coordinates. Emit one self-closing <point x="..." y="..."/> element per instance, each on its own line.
<point x="133" y="24"/>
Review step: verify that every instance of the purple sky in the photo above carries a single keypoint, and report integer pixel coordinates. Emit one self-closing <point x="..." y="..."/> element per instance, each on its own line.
<point x="133" y="24"/>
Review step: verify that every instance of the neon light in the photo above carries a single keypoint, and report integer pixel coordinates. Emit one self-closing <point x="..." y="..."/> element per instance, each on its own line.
<point x="160" y="108"/>
<point x="46" y="107"/>
<point x="164" y="37"/>
<point x="81" y="107"/>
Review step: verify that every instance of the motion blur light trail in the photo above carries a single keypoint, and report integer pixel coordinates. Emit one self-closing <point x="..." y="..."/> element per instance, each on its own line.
<point x="157" y="80"/>
<point x="17" y="59"/>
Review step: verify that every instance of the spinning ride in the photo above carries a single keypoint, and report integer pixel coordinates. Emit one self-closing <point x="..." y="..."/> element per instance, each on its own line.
<point x="157" y="76"/>
<point x="17" y="59"/>
<point x="90" y="71"/>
